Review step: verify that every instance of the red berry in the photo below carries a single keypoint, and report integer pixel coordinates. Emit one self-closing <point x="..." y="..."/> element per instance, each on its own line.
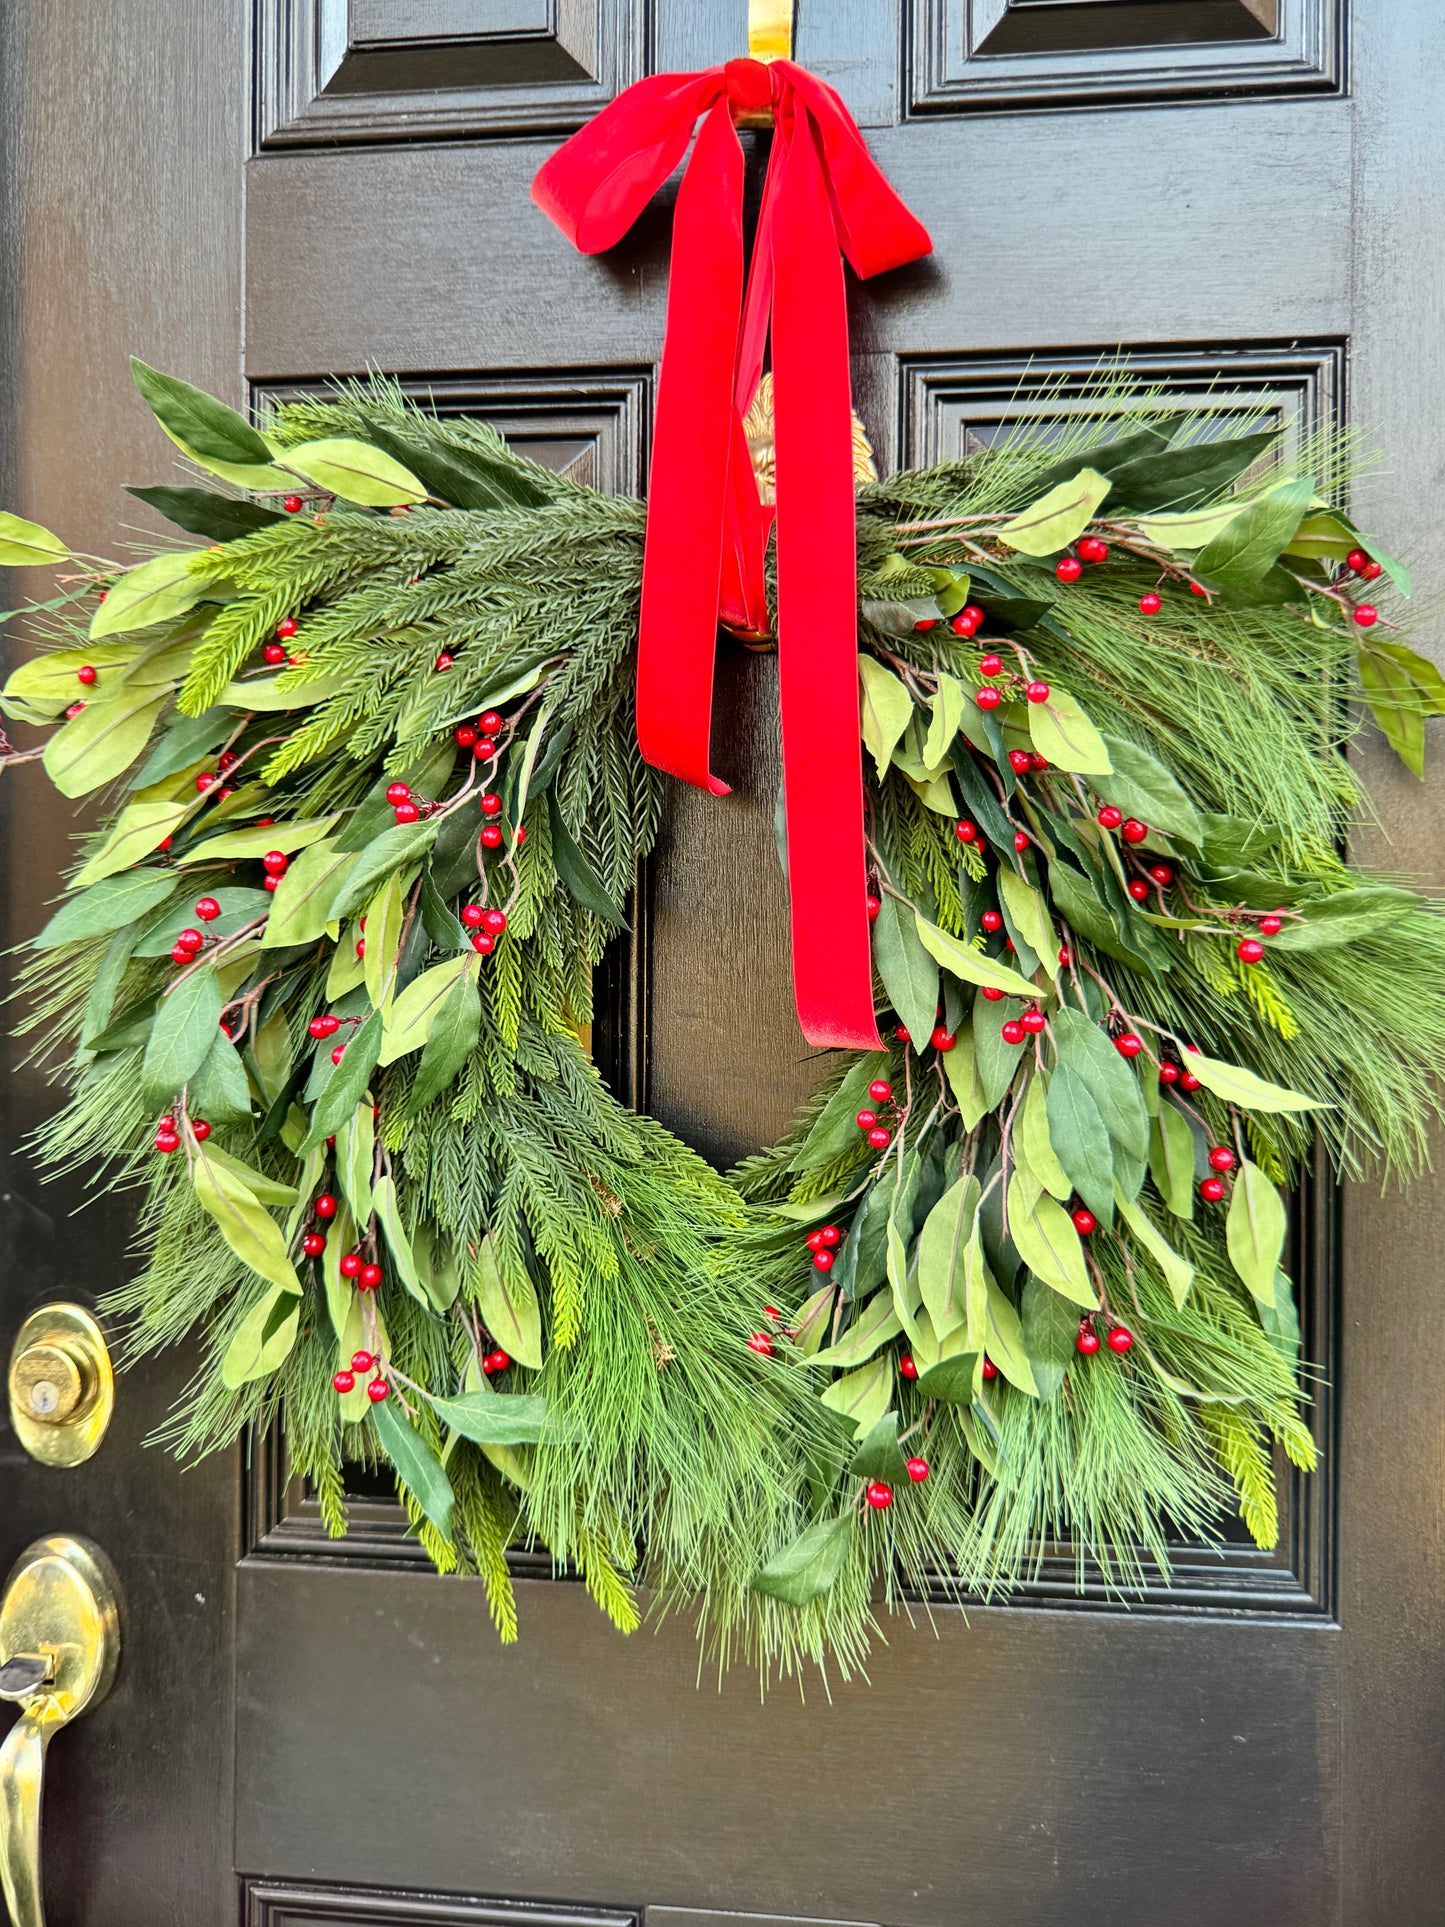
<point x="1212" y="1190"/>
<point x="918" y="1470"/>
<point x="832" y="1234"/>
<point x="1371" y="570"/>
<point x="1019" y="760"/>
<point x="1120" y="1338"/>
<point x="879" y="1138"/>
<point x="362" y="1361"/>
<point x="270" y="883"/>
<point x="292" y="505"/>
<point x="70" y="716"/>
<point x="991" y="920"/>
<point x="1366" y="615"/>
<point x="87" y="674"/>
<point x="880" y="1090"/>
<point x="1250" y="951"/>
<point x="1064" y="956"/>
<point x="495" y="921"/>
<point x="974" y="614"/>
<point x="472" y="915"/>
<point x="762" y="1344"/>
<point x="491" y="805"/>
<point x="406" y="813"/>
<point x="903" y="1034"/>
<point x="1270" y="926"/>
<point x="484" y="943"/>
<point x="350" y="1265"/>
<point x="490" y="724"/>
<point x="181" y="956"/>
<point x="286" y="628"/>
<point x="990" y="665"/>
<point x="1087" y="1342"/>
<point x="1037" y="692"/>
<point x="1138" y="889"/>
<point x="991" y="993"/>
<point x="1188" y="1081"/>
<point x="1084" y="1221"/>
<point x="464" y="735"/>
<point x="166" y="1141"/>
<point x="823" y="1260"/>
<point x="942" y="1037"/>
<point x="1357" y="560"/>
<point x="361" y="946"/>
<point x="207" y="909"/>
<point x="961" y="626"/>
<point x="1110" y="818"/>
<point x="325" y="1206"/>
<point x="1034" y="1021"/>
<point x="378" y="1390"/>
<point x="1150" y="604"/>
<point x="1091" y="549"/>
<point x="369" y="1277"/>
<point x="924" y="624"/>
<point x="190" y="940"/>
<point x="814" y="1240"/>
<point x="965" y="831"/>
<point x="324" y="1026"/>
<point x="988" y="698"/>
<point x="484" y="750"/>
<point x="1021" y="841"/>
<point x="1162" y="873"/>
<point x="1012" y="1032"/>
<point x="491" y="836"/>
<point x="275" y="862"/>
<point x="313" y="1244"/>
<point x="1068" y="568"/>
<point x="1128" y="1045"/>
<point x="343" y="1382"/>
<point x="1198" y="588"/>
<point x="879" y="1495"/>
<point x="398" y="793"/>
<point x="990" y="1370"/>
<point x="906" y="1367"/>
<point x="200" y="1130"/>
<point x="496" y="1361"/>
<point x="1221" y="1158"/>
<point x="866" y="1120"/>
<point x="1133" y="830"/>
<point x="1036" y="761"/>
<point x="1168" y="1073"/>
<point x="166" y="1123"/>
<point x="443" y="662"/>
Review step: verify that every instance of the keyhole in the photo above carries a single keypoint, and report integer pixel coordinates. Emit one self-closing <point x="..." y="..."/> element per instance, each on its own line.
<point x="44" y="1397"/>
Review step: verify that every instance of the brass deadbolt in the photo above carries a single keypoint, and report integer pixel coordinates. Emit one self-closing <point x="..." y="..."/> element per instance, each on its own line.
<point x="62" y="1388"/>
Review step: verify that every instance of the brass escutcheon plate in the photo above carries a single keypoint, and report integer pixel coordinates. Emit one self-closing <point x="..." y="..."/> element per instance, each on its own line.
<point x="61" y="1385"/>
<point x="62" y="1601"/>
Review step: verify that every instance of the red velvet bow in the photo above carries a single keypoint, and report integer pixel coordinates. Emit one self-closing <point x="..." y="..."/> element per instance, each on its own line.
<point x="707" y="531"/>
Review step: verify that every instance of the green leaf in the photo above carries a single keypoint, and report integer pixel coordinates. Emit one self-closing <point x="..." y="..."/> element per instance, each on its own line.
<point x="300" y="907"/>
<point x="135" y="833"/>
<point x="835" y="1129"/>
<point x="1004" y="1338"/>
<point x="1395" y="706"/>
<point x="186" y="1025"/>
<point x="263" y="1340"/>
<point x="942" y="1244"/>
<point x="25" y="544"/>
<point x="879" y="1455"/>
<point x="1426" y="683"/>
<point x="385" y="915"/>
<point x="292" y="689"/>
<point x="996" y="1061"/>
<point x="1049" y="1329"/>
<point x="155" y="591"/>
<point x="450" y="1042"/>
<point x="356" y="1160"/>
<point x="899" y="1232"/>
<point x="465" y="480"/>
<point x="1141" y="786"/>
<point x="885" y="711"/>
<point x="862" y="1397"/>
<point x="810" y="1566"/>
<point x="106" y="906"/>
<point x="346" y="1086"/>
<point x="1195" y="529"/>
<point x="1027" y="915"/>
<point x="575" y="873"/>
<point x="200" y="511"/>
<point x="1113" y="1086"/>
<point x="1060" y="730"/>
<point x="197" y="419"/>
<point x="1081" y="1140"/>
<point x="409" y="1021"/>
<point x="245" y="1224"/>
<point x="438" y="918"/>
<point x="1396" y="571"/>
<point x="1255" y="1230"/>
<point x="1184" y="478"/>
<point x="862" y="1260"/>
<point x="944" y="720"/>
<point x="1077" y="901"/>
<point x="874" y="1326"/>
<point x="960" y="1067"/>
<point x="416" y="1465"/>
<point x="1330" y="922"/>
<point x="968" y="964"/>
<point x="267" y="1190"/>
<point x="1237" y="1086"/>
<point x="1177" y="1271"/>
<point x="952" y="1380"/>
<point x="219" y="1090"/>
<point x="1171" y="1160"/>
<point x="286" y="837"/>
<point x="1249" y="545"/>
<point x="355" y="471"/>
<point x="1049" y="1245"/>
<point x="909" y="972"/>
<point x="509" y="1306"/>
<point x="239" y="907"/>
<point x="104" y="739"/>
<point x="390" y="851"/>
<point x="1033" y="1145"/>
<point x="1058" y="517"/>
<point x="494" y="1418"/>
<point x="388" y="1212"/>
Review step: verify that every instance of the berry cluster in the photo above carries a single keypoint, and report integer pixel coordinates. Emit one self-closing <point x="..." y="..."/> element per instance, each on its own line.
<point x="878" y="1133"/>
<point x="824" y="1244"/>
<point x="168" y="1138"/>
<point x="1119" y="1338"/>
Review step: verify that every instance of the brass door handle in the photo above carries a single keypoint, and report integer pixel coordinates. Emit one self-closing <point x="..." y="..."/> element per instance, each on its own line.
<point x="59" y="1643"/>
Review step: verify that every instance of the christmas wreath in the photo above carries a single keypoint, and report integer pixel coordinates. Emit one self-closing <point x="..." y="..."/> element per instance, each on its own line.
<point x="320" y="982"/>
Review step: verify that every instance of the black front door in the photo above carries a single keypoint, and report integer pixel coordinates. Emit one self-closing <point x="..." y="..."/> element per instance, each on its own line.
<point x="1242" y="202"/>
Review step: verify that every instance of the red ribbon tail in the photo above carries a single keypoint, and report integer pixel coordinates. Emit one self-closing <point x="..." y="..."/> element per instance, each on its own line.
<point x="818" y="613"/>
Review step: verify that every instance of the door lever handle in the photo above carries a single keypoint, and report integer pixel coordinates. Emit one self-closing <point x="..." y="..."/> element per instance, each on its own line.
<point x="59" y="1643"/>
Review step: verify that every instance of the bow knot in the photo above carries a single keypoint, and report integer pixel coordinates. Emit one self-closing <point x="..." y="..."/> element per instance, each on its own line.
<point x="707" y="529"/>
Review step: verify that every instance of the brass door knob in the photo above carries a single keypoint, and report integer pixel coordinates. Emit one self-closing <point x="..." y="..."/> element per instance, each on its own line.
<point x="62" y="1388"/>
<point x="59" y="1645"/>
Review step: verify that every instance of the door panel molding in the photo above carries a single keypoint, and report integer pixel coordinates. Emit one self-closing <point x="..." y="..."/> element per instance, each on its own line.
<point x="969" y="56"/>
<point x="330" y="71"/>
<point x="283" y="1903"/>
